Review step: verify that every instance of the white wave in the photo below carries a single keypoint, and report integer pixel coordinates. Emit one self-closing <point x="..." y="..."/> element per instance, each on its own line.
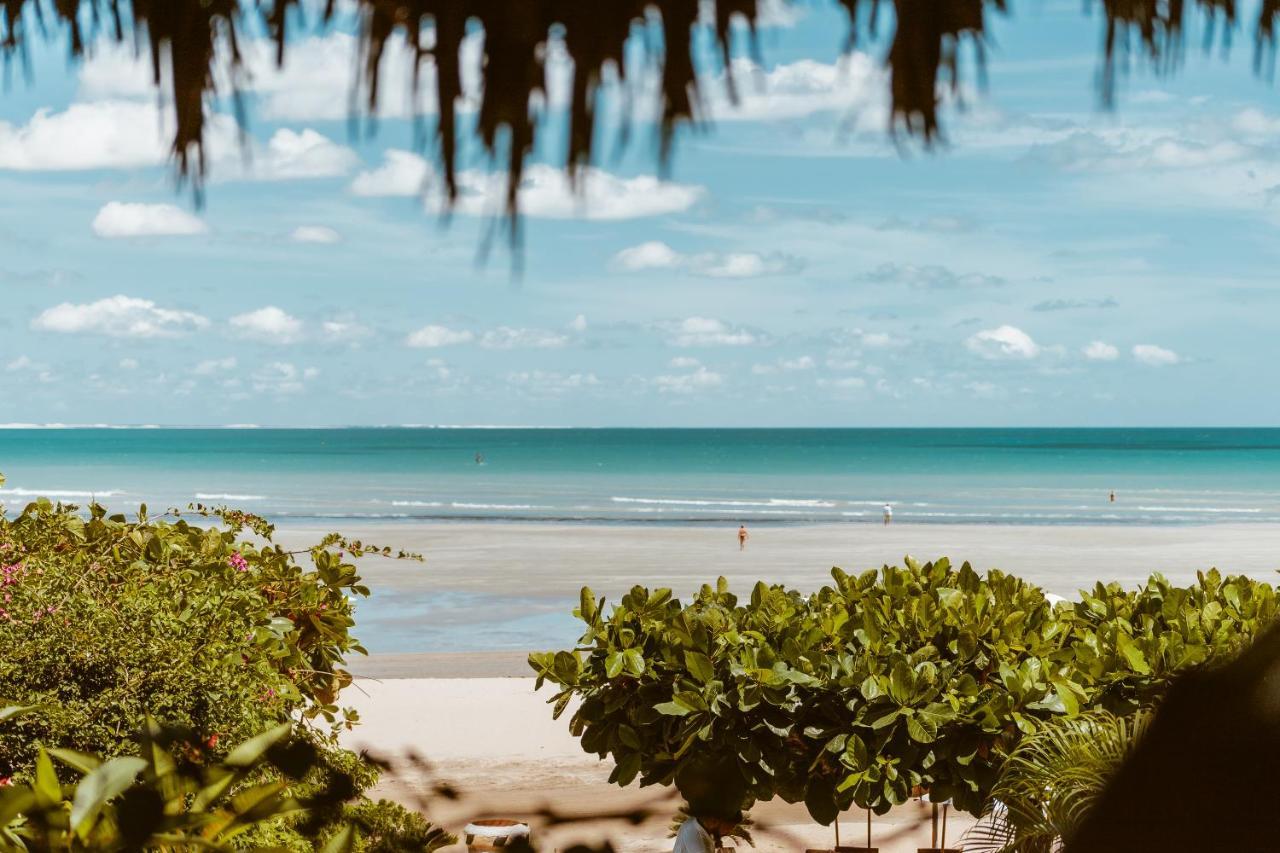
<point x="215" y="496"/>
<point x="416" y="503"/>
<point x="1218" y="509"/>
<point x="458" y="505"/>
<point x="79" y="426"/>
<point x="471" y="426"/>
<point x="772" y="502"/>
<point x="60" y="493"/>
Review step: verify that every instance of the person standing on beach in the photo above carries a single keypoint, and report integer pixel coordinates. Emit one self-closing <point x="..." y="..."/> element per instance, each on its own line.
<point x="888" y="514"/>
<point x="743" y="536"/>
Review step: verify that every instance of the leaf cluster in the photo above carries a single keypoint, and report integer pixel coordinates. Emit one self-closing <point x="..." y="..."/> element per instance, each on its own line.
<point x="173" y="795"/>
<point x="105" y="619"/>
<point x="880" y="685"/>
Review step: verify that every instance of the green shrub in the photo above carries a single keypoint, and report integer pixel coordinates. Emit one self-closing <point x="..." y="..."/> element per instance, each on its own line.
<point x="173" y="794"/>
<point x="880" y="685"/>
<point x="106" y="622"/>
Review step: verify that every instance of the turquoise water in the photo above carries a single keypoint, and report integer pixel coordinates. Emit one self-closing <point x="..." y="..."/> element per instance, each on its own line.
<point x="671" y="476"/>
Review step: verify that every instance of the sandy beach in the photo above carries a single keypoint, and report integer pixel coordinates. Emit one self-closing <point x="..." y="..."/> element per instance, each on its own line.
<point x="470" y="708"/>
<point x="494" y="740"/>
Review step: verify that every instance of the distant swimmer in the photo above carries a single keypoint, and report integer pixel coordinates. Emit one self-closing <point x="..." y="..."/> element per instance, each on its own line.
<point x="479" y="458"/>
<point x="888" y="513"/>
<point x="1113" y="495"/>
<point x="743" y="536"/>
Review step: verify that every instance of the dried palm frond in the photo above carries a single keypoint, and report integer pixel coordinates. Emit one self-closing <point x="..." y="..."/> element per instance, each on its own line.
<point x="187" y="39"/>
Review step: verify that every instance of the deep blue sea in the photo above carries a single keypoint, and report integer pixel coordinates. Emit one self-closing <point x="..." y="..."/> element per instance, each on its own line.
<point x="664" y="476"/>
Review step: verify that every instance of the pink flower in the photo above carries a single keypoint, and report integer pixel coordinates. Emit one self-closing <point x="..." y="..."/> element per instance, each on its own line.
<point x="237" y="562"/>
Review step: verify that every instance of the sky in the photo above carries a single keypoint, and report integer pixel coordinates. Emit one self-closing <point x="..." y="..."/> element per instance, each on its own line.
<point x="1052" y="263"/>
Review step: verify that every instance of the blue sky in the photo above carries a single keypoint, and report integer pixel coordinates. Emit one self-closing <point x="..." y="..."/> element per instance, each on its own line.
<point x="1052" y="264"/>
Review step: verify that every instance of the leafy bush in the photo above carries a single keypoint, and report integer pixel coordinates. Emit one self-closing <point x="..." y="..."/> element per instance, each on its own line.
<point x="880" y="685"/>
<point x="217" y="631"/>
<point x="173" y="795"/>
<point x="104" y="620"/>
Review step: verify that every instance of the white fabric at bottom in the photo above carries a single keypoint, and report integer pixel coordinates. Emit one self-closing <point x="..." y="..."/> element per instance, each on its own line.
<point x="692" y="838"/>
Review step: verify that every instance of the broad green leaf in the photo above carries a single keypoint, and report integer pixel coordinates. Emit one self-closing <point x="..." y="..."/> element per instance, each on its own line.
<point x="699" y="665"/>
<point x="1137" y="660"/>
<point x="247" y="753"/>
<point x="902" y="682"/>
<point x="633" y="661"/>
<point x="100" y="785"/>
<point x="76" y="760"/>
<point x="12" y="712"/>
<point x="47" y="789"/>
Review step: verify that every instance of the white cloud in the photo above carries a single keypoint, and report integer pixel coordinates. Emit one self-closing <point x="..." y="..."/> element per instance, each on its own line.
<point x="25" y="365"/>
<point x="293" y="154"/>
<point x="137" y="134"/>
<point x="402" y="173"/>
<point x="929" y="277"/>
<point x="1155" y="356"/>
<point x="709" y="332"/>
<point x="506" y="337"/>
<point x="431" y="337"/>
<point x="1003" y="342"/>
<point x="125" y="219"/>
<point x="684" y="362"/>
<point x="344" y="330"/>
<point x="803" y="362"/>
<point x="1100" y="351"/>
<point x="844" y="383"/>
<point x="315" y="67"/>
<point x="648" y="256"/>
<point x="125" y="135"/>
<point x="579" y="323"/>
<point x="544" y="191"/>
<point x="985" y="390"/>
<point x="315" y="234"/>
<point x="550" y="382"/>
<point x="127" y="364"/>
<point x="743" y="264"/>
<point x="700" y="379"/>
<point x="269" y="324"/>
<point x="880" y="340"/>
<point x="658" y="255"/>
<point x="854" y="85"/>
<point x="118" y="317"/>
<point x="281" y="377"/>
<point x="211" y="366"/>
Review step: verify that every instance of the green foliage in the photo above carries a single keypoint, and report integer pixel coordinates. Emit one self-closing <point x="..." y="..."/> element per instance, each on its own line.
<point x="1051" y="781"/>
<point x="217" y="631"/>
<point x="173" y="795"/>
<point x="880" y="685"/>
<point x="104" y="620"/>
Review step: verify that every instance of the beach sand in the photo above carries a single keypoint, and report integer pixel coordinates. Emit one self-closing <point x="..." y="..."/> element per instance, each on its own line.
<point x="495" y="739"/>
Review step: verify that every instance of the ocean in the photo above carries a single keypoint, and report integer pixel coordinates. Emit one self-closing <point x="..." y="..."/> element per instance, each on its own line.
<point x="662" y="476"/>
